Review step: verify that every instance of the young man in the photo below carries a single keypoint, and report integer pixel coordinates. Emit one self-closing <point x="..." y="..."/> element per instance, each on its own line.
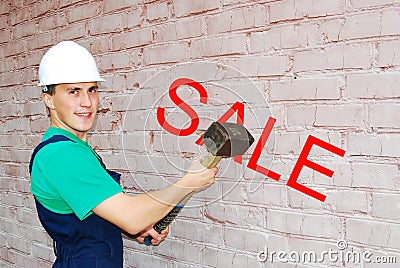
<point x="79" y="202"/>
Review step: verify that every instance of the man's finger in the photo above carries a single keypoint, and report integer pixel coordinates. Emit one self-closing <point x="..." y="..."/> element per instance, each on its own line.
<point x="154" y="234"/>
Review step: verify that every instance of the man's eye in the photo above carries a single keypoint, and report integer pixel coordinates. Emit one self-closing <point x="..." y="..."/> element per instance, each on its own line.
<point x="73" y="92"/>
<point x="93" y="90"/>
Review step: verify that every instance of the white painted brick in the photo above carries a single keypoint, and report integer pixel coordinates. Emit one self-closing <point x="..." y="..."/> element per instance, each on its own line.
<point x="12" y="109"/>
<point x="256" y="117"/>
<point x="284" y="37"/>
<point x="386" y="205"/>
<point x="135" y="38"/>
<point x="352" y="26"/>
<point x="35" y="108"/>
<point x="165" y="53"/>
<point x="159" y="165"/>
<point x="11" y="78"/>
<point x="133" y="141"/>
<point x="105" y="122"/>
<point x="388" y="53"/>
<point x="110" y="5"/>
<point x="369" y="144"/>
<point x="236" y="19"/>
<point x="300" y="224"/>
<point x="297" y="9"/>
<point x="234" y="192"/>
<point x="98" y="141"/>
<point x="39" y="125"/>
<point x="13" y="170"/>
<point x="232" y="2"/>
<point x="8" y="64"/>
<point x="278" y="112"/>
<point x="382" y="115"/>
<point x="259" y="66"/>
<point x="28" y="217"/>
<point x="137" y="259"/>
<point x="18" y="243"/>
<point x="299" y="200"/>
<point x="105" y="24"/>
<point x="288" y="143"/>
<point x="42" y="8"/>
<point x="373" y="232"/>
<point x="18" y="124"/>
<point x="284" y="10"/>
<point x="218" y="258"/>
<point x="303" y="89"/>
<point x="301" y="115"/>
<point x="312" y="9"/>
<point x="196" y="231"/>
<point x="359" y="4"/>
<point x="236" y="215"/>
<point x="136" y="79"/>
<point x="373" y="85"/>
<point x="329" y="30"/>
<point x="82" y="12"/>
<point x="173" y="144"/>
<point x="18" y="16"/>
<point x="340" y="115"/>
<point x="348" y="56"/>
<point x="25" y="29"/>
<point x="266" y="194"/>
<point x="249" y="240"/>
<point x="374" y="176"/>
<point x="390" y="20"/>
<point x="181" y="29"/>
<point x="310" y="225"/>
<point x="179" y="250"/>
<point x="157" y="11"/>
<point x="339" y="201"/>
<point x="114" y="61"/>
<point x="39" y="41"/>
<point x="42" y="252"/>
<point x="132" y="17"/>
<point x="218" y="46"/>
<point x="77" y="30"/>
<point x="184" y="8"/>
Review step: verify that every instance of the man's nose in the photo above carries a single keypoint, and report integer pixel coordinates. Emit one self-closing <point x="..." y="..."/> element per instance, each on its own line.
<point x="86" y="101"/>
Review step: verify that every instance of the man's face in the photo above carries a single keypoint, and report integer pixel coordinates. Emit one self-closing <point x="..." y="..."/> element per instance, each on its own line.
<point x="73" y="107"/>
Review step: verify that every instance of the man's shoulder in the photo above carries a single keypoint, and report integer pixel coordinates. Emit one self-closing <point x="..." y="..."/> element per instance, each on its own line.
<point x="63" y="149"/>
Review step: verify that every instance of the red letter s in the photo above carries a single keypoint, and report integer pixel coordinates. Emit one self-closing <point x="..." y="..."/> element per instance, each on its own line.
<point x="184" y="106"/>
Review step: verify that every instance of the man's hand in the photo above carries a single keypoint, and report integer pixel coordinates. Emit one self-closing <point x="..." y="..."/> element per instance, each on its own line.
<point x="157" y="238"/>
<point x="198" y="177"/>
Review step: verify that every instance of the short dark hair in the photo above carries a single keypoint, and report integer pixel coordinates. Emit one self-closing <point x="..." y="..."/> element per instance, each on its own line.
<point x="49" y="89"/>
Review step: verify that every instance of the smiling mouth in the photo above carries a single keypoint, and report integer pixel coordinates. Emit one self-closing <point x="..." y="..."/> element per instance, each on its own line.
<point x="88" y="114"/>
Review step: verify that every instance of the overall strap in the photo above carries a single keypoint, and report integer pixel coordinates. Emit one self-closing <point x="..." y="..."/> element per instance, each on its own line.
<point x="55" y="138"/>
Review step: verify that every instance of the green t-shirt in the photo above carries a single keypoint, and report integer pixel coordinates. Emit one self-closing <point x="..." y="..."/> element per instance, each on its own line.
<point x="67" y="177"/>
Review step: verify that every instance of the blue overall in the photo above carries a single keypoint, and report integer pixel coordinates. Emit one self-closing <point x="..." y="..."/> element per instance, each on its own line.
<point x="92" y="242"/>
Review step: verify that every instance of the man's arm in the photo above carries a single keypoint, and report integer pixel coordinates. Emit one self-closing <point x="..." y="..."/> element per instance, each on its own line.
<point x="134" y="213"/>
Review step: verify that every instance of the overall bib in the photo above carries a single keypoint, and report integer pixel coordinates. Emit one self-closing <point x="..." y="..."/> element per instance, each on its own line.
<point x="92" y="242"/>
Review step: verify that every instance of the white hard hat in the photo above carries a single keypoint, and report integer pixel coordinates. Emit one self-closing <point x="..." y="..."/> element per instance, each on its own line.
<point x="67" y="62"/>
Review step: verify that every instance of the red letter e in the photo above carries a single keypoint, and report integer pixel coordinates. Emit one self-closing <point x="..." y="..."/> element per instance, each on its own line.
<point x="303" y="161"/>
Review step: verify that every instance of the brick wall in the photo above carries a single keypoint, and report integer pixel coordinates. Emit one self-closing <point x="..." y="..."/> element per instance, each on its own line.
<point x="330" y="69"/>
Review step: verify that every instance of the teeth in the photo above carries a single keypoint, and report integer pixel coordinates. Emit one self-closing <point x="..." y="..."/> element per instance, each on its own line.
<point x="87" y="114"/>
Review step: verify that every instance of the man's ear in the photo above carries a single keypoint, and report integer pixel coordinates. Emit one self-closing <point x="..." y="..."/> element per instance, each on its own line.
<point x="48" y="101"/>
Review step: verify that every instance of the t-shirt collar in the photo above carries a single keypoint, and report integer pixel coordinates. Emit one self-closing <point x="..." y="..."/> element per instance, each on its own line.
<point x="59" y="131"/>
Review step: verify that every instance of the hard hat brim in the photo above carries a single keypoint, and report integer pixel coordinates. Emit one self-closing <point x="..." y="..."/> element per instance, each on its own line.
<point x="47" y="83"/>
